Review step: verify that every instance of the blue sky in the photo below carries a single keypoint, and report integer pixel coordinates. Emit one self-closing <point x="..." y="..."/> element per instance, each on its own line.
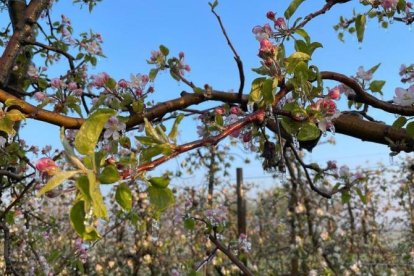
<point x="131" y="29"/>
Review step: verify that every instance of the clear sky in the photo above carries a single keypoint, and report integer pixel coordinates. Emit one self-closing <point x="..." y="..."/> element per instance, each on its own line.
<point x="131" y="29"/>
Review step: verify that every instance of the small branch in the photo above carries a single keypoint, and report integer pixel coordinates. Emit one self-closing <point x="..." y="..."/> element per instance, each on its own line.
<point x="19" y="197"/>
<point x="207" y="260"/>
<point x="329" y="4"/>
<point x="69" y="57"/>
<point x="258" y="116"/>
<point x="228" y="253"/>
<point x="236" y="56"/>
<point x="364" y="97"/>
<point x="7" y="249"/>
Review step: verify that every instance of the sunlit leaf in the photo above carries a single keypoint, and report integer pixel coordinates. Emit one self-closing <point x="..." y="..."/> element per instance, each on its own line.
<point x="160" y="199"/>
<point x="77" y="220"/>
<point x="109" y="175"/>
<point x="294" y="4"/>
<point x="123" y="196"/>
<point x="88" y="135"/>
<point x="159" y="182"/>
<point x="56" y="180"/>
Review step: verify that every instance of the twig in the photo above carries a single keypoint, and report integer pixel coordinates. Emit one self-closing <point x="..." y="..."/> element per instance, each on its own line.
<point x="69" y="57"/>
<point x="329" y="4"/>
<point x="8" y="208"/>
<point x="206" y="260"/>
<point x="258" y="116"/>
<point x="236" y="56"/>
<point x="231" y="256"/>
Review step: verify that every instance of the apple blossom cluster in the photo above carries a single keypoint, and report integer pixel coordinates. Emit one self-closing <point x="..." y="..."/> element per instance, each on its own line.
<point x="405" y="97"/>
<point x="216" y="216"/>
<point x="244" y="244"/>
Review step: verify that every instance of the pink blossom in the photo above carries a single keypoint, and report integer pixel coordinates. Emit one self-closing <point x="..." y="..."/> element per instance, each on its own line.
<point x="57" y="83"/>
<point x="219" y="111"/>
<point x="123" y="83"/>
<point x="364" y="75"/>
<point x="181" y="55"/>
<point x="46" y="166"/>
<point x="72" y="85"/>
<point x="155" y="55"/>
<point x="247" y="137"/>
<point x="39" y="96"/>
<point x="234" y="110"/>
<point x="404" y="97"/>
<point x="280" y="23"/>
<point x="331" y="165"/>
<point x="327" y="106"/>
<point x="100" y="79"/>
<point x="334" y="93"/>
<point x="389" y="4"/>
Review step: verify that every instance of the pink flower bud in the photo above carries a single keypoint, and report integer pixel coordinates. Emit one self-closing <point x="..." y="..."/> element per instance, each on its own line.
<point x="123" y="83"/>
<point x="72" y="85"/>
<point x="280" y="23"/>
<point x="46" y="165"/>
<point x="334" y="93"/>
<point x="219" y="111"/>
<point x="247" y="137"/>
<point x="271" y="15"/>
<point x="234" y="110"/>
<point x="181" y="55"/>
<point x="39" y="96"/>
<point x="56" y="83"/>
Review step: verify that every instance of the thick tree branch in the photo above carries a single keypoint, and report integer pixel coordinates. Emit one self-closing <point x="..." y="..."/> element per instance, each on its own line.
<point x="364" y="97"/>
<point x="14" y="46"/>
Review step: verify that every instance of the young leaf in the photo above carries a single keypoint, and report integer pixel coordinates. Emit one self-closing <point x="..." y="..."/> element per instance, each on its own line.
<point x="292" y="8"/>
<point x="267" y="91"/>
<point x="109" y="175"/>
<point x="88" y="135"/>
<point x="376" y="85"/>
<point x="98" y="204"/>
<point x="174" y="130"/>
<point x="360" y="26"/>
<point x="164" y="50"/>
<point x="56" y="180"/>
<point x="123" y="196"/>
<point x="308" y="132"/>
<point x="77" y="220"/>
<point x="160" y="199"/>
<point x="410" y="129"/>
<point x="159" y="182"/>
<point x="400" y="122"/>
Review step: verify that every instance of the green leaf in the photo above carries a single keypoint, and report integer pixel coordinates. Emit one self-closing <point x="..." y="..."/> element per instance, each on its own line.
<point x="153" y="74"/>
<point x="299" y="56"/>
<point x="6" y="125"/>
<point x="123" y="196"/>
<point x="109" y="175"/>
<point x="148" y="153"/>
<point x="164" y="50"/>
<point x="213" y="5"/>
<point x="77" y="220"/>
<point x="174" y="130"/>
<point x="410" y="129"/>
<point x="374" y="68"/>
<point x="15" y="115"/>
<point x="98" y="204"/>
<point x="218" y="119"/>
<point x="292" y="8"/>
<point x="160" y="199"/>
<point x="256" y="91"/>
<point x="267" y="91"/>
<point x="376" y="85"/>
<point x="361" y="195"/>
<point x="88" y="135"/>
<point x="360" y="21"/>
<point x="159" y="182"/>
<point x="308" y="132"/>
<point x="69" y="152"/>
<point x="400" y="122"/>
<point x="56" y="180"/>
<point x="111" y="84"/>
<point x="189" y="223"/>
<point x="345" y="197"/>
<point x="145" y="140"/>
<point x="82" y="184"/>
<point x="303" y="34"/>
<point x="151" y="131"/>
